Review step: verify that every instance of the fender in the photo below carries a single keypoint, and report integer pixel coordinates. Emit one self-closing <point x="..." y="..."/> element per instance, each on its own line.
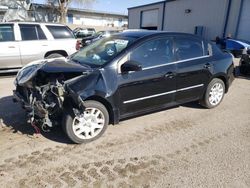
<point x="94" y="87"/>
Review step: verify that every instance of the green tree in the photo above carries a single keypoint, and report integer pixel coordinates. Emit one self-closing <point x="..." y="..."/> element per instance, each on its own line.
<point x="63" y="5"/>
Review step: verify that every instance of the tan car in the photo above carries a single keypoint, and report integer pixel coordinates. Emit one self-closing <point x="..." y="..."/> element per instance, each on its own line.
<point x="23" y="42"/>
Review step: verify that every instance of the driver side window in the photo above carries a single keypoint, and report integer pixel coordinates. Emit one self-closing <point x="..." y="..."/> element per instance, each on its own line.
<point x="154" y="52"/>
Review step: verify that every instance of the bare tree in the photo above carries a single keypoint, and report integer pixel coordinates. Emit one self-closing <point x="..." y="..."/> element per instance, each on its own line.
<point x="63" y="5"/>
<point x="21" y="5"/>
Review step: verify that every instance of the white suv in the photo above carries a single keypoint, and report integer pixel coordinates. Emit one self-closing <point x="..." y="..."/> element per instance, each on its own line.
<point x="22" y="42"/>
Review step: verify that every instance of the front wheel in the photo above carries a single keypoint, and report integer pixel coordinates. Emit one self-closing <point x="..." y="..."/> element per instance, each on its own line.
<point x="88" y="125"/>
<point x="214" y="93"/>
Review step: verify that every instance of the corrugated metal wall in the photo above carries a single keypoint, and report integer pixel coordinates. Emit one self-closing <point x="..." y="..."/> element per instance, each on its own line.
<point x="244" y="21"/>
<point x="211" y="14"/>
<point x="233" y="18"/>
<point x="219" y="17"/>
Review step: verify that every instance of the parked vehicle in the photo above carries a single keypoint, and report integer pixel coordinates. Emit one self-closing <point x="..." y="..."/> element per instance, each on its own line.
<point x="121" y="76"/>
<point x="81" y="33"/>
<point x="88" y="40"/>
<point x="23" y="42"/>
<point x="237" y="47"/>
<point x="245" y="63"/>
<point x="107" y="33"/>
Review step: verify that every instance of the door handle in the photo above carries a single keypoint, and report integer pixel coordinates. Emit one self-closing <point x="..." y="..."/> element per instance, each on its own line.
<point x="44" y="45"/>
<point x="207" y="66"/>
<point x="11" y="47"/>
<point x="169" y="75"/>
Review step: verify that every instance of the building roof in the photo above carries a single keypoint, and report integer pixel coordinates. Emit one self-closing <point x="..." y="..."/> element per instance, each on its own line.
<point x="3" y="8"/>
<point x="84" y="10"/>
<point x="151" y="4"/>
<point x="98" y="12"/>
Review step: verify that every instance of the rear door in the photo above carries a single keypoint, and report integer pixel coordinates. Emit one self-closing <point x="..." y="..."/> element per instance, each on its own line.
<point x="193" y="68"/>
<point x="155" y="85"/>
<point x="62" y="38"/>
<point x="34" y="43"/>
<point x="9" y="53"/>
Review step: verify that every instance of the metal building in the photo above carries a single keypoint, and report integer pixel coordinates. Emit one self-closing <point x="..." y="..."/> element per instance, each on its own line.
<point x="47" y="13"/>
<point x="22" y="11"/>
<point x="206" y="18"/>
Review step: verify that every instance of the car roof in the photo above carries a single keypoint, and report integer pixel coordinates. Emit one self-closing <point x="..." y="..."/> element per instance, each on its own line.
<point x="242" y="42"/>
<point x="43" y="23"/>
<point x="145" y="33"/>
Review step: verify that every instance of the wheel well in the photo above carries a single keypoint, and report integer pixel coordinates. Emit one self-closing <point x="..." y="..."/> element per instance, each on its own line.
<point x="225" y="82"/>
<point x="107" y="105"/>
<point x="62" y="52"/>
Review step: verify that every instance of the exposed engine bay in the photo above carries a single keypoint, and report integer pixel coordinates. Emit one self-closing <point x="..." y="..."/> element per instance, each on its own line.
<point x="42" y="89"/>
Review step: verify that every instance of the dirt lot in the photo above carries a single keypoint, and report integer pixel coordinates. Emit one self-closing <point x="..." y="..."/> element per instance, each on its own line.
<point x="187" y="146"/>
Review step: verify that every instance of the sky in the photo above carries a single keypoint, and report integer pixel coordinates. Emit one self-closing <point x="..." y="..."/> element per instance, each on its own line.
<point x="119" y="6"/>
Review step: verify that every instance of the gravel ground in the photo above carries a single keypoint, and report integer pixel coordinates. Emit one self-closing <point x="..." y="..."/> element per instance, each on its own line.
<point x="187" y="146"/>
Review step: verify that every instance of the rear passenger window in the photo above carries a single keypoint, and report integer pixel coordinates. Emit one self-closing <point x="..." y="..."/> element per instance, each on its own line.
<point x="31" y="32"/>
<point x="154" y="52"/>
<point x="60" y="32"/>
<point x="41" y="34"/>
<point x="187" y="48"/>
<point x="6" y="33"/>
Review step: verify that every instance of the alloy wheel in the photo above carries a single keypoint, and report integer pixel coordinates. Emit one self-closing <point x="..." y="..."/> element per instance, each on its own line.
<point x="216" y="94"/>
<point x="89" y="124"/>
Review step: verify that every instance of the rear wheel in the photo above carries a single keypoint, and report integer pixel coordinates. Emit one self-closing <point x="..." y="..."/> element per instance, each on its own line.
<point x="214" y="93"/>
<point x="88" y="125"/>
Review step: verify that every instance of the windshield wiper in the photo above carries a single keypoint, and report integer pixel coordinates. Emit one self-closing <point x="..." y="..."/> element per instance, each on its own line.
<point x="80" y="63"/>
<point x="75" y="61"/>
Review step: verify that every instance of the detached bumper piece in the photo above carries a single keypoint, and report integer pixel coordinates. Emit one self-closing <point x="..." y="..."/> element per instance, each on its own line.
<point x="245" y="64"/>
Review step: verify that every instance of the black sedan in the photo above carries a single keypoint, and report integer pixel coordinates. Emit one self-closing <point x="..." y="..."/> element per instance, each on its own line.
<point x="125" y="75"/>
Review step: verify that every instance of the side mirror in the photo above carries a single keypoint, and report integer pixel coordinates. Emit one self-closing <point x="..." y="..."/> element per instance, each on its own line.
<point x="130" y="66"/>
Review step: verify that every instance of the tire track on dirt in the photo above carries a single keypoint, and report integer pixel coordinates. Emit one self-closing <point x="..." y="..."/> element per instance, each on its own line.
<point x="52" y="154"/>
<point x="124" y="172"/>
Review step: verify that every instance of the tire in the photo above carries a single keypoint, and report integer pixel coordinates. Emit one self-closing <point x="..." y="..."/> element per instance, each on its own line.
<point x="209" y="101"/>
<point x="54" y="55"/>
<point x="79" y="129"/>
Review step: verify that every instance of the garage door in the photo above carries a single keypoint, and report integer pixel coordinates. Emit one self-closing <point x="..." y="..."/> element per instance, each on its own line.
<point x="150" y="19"/>
<point x="244" y="25"/>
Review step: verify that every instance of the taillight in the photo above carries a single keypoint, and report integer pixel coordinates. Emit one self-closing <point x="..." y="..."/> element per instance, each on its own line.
<point x="78" y="45"/>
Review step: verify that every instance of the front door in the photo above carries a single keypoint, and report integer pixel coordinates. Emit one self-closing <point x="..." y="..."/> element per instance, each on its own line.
<point x="9" y="53"/>
<point x="154" y="86"/>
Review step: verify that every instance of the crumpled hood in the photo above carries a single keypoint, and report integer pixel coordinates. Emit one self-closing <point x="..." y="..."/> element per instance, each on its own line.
<point x="52" y="66"/>
<point x="60" y="66"/>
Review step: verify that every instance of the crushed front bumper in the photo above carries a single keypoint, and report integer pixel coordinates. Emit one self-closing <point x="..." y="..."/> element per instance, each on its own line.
<point x="18" y="98"/>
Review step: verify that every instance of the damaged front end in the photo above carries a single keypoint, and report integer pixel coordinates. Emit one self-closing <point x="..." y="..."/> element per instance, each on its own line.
<point x="43" y="92"/>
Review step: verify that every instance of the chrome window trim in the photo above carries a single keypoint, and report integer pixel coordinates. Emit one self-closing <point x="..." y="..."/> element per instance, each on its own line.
<point x="175" y="62"/>
<point x="161" y="94"/>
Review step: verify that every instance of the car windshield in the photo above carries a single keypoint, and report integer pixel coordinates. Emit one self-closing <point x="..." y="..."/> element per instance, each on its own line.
<point x="102" y="51"/>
